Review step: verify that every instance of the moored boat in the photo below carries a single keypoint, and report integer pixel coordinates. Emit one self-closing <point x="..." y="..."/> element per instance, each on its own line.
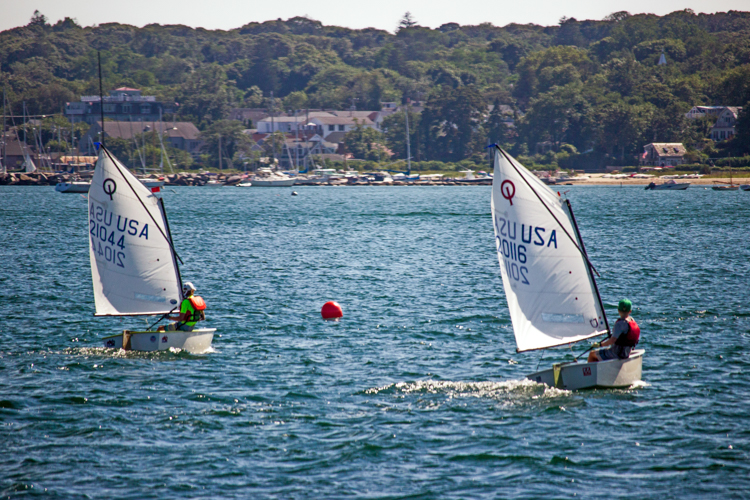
<point x="670" y="185"/>
<point x="73" y="187"/>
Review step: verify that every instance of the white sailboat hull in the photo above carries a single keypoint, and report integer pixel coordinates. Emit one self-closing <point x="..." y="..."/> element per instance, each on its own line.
<point x="273" y="183"/>
<point x="608" y="374"/>
<point x="669" y="187"/>
<point x="195" y="342"/>
<point x="73" y="187"/>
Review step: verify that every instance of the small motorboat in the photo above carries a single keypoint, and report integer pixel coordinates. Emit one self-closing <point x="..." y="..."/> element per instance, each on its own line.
<point x="73" y="187"/>
<point x="670" y="185"/>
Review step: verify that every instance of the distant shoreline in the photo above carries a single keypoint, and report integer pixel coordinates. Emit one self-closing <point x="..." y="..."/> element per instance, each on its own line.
<point x="598" y="180"/>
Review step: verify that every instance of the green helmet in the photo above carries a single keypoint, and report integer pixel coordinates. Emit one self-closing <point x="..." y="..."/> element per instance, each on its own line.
<point x="625" y="305"/>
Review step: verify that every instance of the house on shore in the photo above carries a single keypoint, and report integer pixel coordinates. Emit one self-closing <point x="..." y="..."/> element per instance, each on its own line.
<point x="724" y="128"/>
<point x="663" y="154"/>
<point x="123" y="104"/>
<point x="726" y="119"/>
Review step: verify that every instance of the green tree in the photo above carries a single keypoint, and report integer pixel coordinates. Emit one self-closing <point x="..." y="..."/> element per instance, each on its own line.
<point x="227" y="134"/>
<point x="395" y="133"/>
<point x="365" y="143"/>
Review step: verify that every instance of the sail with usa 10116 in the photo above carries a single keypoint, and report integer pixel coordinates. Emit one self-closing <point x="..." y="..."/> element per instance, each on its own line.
<point x="134" y="266"/>
<point x="548" y="278"/>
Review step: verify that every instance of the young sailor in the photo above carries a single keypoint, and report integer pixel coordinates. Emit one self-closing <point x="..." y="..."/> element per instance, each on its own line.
<point x="624" y="337"/>
<point x="191" y="311"/>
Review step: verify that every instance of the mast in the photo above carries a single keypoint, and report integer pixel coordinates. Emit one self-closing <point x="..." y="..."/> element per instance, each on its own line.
<point x="408" y="141"/>
<point x="5" y="148"/>
<point x="101" y="97"/>
<point x="171" y="243"/>
<point x="588" y="266"/>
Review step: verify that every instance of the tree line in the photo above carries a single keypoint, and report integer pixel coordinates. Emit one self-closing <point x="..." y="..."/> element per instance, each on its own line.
<point x="589" y="89"/>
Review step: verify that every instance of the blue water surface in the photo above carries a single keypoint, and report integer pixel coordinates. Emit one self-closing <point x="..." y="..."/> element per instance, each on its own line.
<point x="417" y="393"/>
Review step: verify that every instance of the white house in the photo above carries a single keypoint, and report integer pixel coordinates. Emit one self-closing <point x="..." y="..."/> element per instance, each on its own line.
<point x="724" y="127"/>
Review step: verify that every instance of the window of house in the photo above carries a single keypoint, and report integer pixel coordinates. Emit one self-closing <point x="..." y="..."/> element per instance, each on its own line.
<point x="331" y="128"/>
<point x="342" y="128"/>
<point x="145" y="109"/>
<point x="126" y="108"/>
<point x="110" y="108"/>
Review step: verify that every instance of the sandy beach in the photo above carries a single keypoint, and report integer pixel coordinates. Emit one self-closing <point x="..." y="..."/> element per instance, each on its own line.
<point x="599" y="180"/>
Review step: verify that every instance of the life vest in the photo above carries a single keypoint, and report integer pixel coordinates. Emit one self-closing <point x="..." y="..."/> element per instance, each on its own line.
<point x="632" y="336"/>
<point x="199" y="305"/>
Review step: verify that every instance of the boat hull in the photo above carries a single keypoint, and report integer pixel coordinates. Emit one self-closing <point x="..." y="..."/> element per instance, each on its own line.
<point x="195" y="342"/>
<point x="725" y="188"/>
<point x="607" y="374"/>
<point x="669" y="187"/>
<point x="745" y="187"/>
<point x="274" y="183"/>
<point x="73" y="187"/>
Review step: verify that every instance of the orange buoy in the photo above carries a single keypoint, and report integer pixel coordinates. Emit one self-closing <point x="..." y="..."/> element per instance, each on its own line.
<point x="331" y="310"/>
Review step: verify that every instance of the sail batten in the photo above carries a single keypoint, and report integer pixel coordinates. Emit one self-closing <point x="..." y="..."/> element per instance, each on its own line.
<point x="133" y="267"/>
<point x="551" y="294"/>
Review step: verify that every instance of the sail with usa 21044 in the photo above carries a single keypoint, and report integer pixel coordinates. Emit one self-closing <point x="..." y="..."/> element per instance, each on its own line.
<point x="134" y="267"/>
<point x="547" y="277"/>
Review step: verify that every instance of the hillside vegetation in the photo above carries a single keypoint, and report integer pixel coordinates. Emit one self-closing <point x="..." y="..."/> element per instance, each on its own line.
<point x="580" y="86"/>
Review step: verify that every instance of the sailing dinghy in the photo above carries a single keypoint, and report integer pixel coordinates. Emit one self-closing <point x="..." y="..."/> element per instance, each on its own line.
<point x="133" y="262"/>
<point x="548" y="279"/>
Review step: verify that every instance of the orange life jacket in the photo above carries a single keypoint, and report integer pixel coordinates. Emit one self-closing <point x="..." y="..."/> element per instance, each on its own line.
<point x="199" y="305"/>
<point x="197" y="302"/>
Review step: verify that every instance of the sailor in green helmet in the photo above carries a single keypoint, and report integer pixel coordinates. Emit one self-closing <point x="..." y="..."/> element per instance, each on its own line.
<point x="191" y="311"/>
<point x="625" y="336"/>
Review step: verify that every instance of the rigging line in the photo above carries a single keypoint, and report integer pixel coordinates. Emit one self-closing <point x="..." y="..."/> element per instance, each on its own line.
<point x="548" y="209"/>
<point x="142" y="204"/>
<point x="540" y="361"/>
<point x="158" y="320"/>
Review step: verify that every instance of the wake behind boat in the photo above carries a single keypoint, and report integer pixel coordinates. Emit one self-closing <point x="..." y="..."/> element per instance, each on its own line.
<point x="134" y="266"/>
<point x="548" y="281"/>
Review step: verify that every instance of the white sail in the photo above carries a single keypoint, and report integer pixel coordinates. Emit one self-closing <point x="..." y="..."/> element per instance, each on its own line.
<point x="551" y="294"/>
<point x="132" y="263"/>
<point x="28" y="163"/>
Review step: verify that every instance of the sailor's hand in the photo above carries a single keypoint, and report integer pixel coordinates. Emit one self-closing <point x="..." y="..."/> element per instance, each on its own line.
<point x="596" y="345"/>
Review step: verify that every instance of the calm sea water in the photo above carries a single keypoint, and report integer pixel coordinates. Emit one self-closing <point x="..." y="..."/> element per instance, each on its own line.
<point x="417" y="393"/>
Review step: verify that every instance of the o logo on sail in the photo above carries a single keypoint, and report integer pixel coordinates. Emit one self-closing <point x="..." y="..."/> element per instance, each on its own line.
<point x="508" y="190"/>
<point x="594" y="322"/>
<point x="109" y="186"/>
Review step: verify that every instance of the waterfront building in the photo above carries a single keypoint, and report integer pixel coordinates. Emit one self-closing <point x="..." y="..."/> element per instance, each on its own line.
<point x="663" y="154"/>
<point x="123" y="104"/>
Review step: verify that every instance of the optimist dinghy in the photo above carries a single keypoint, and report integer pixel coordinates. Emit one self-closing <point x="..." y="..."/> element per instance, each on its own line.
<point x="548" y="279"/>
<point x="133" y="261"/>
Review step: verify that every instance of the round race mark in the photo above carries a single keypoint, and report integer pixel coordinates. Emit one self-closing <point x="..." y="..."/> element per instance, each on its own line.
<point x="508" y="190"/>
<point x="109" y="186"/>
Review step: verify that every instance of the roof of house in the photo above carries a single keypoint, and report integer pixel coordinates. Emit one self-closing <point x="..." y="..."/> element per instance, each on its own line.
<point x="127" y="130"/>
<point x="343" y="120"/>
<point x="336" y="137"/>
<point x="128" y="89"/>
<point x="372" y="115"/>
<point x="667" y="148"/>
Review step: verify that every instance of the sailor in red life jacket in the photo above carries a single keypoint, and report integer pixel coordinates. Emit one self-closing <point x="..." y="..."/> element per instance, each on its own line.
<point x="624" y="337"/>
<point x="191" y="311"/>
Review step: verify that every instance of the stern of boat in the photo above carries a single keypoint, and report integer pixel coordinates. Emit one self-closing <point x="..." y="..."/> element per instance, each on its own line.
<point x="606" y="374"/>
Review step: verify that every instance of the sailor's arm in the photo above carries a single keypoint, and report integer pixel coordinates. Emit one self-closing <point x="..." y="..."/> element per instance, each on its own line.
<point x="609" y="341"/>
